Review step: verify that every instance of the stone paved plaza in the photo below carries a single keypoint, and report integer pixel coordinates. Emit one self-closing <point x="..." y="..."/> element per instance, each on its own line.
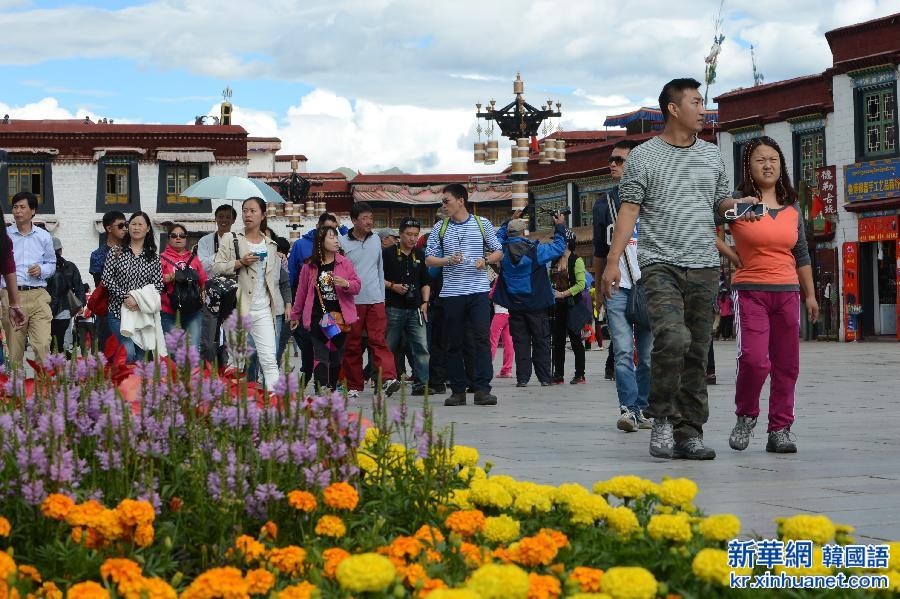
<point x="847" y="423"/>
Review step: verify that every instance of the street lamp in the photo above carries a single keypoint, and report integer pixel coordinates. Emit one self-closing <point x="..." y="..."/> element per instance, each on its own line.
<point x="518" y="121"/>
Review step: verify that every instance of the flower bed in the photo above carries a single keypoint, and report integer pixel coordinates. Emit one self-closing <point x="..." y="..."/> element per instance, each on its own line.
<point x="169" y="481"/>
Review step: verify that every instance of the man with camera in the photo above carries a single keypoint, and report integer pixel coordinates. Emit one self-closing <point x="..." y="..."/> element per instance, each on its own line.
<point x="408" y="291"/>
<point x="524" y="289"/>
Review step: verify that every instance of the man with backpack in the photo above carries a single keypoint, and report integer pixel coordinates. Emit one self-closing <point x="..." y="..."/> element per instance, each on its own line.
<point x="524" y="289"/>
<point x="463" y="247"/>
<point x="184" y="277"/>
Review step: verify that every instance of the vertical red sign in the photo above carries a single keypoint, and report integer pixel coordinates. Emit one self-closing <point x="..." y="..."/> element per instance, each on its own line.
<point x="850" y="253"/>
<point x="897" y="261"/>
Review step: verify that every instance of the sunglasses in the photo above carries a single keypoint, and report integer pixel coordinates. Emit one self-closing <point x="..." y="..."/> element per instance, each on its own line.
<point x="121" y="225"/>
<point x="410" y="222"/>
<point x="616" y="160"/>
<point x="177" y="236"/>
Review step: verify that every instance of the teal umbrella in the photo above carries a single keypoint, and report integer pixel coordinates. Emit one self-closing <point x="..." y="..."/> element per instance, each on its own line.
<point x="232" y="188"/>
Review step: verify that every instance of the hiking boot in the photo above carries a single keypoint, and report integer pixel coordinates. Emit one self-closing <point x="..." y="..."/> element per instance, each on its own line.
<point x="578" y="380"/>
<point x="643" y="421"/>
<point x="456" y="399"/>
<point x="781" y="441"/>
<point x="693" y="449"/>
<point x="662" y="438"/>
<point x="485" y="398"/>
<point x="627" y="422"/>
<point x="741" y="433"/>
<point x="391" y="386"/>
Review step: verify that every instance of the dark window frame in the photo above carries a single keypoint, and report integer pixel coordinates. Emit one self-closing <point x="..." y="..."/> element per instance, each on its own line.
<point x="162" y="204"/>
<point x="134" y="192"/>
<point x="797" y="137"/>
<point x="859" y="133"/>
<point x="738" y="154"/>
<point x="48" y="205"/>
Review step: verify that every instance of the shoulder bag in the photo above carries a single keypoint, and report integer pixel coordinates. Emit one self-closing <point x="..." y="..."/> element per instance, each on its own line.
<point x="636" y="309"/>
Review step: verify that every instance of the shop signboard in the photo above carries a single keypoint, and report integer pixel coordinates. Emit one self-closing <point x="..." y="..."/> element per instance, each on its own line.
<point x="874" y="180"/>
<point x="877" y="228"/>
<point x="827" y="179"/>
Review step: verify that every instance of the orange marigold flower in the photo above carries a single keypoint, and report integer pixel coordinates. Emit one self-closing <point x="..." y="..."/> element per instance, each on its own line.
<point x="7" y="565"/>
<point x="429" y="535"/>
<point x="85" y="513"/>
<point x="30" y="572"/>
<point x="222" y="583"/>
<point x="472" y="554"/>
<point x="288" y="560"/>
<point x="57" y="506"/>
<point x="259" y="581"/>
<point x="465" y="523"/>
<point x="405" y="548"/>
<point x="270" y="530"/>
<point x="109" y="524"/>
<point x="89" y="537"/>
<point x="432" y="556"/>
<point x="143" y="535"/>
<point x="304" y="590"/>
<point x="543" y="587"/>
<point x="558" y="537"/>
<point x="502" y="555"/>
<point x="412" y="574"/>
<point x="341" y="496"/>
<point x="49" y="590"/>
<point x="333" y="558"/>
<point x="5" y="527"/>
<point x="588" y="579"/>
<point x="87" y="590"/>
<point x="120" y="569"/>
<point x="331" y="526"/>
<point x="157" y="588"/>
<point x="431" y="584"/>
<point x="303" y="501"/>
<point x="539" y="550"/>
<point x="251" y="549"/>
<point x="135" y="513"/>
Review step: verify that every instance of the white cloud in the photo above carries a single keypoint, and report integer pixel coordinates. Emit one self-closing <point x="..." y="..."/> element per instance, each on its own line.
<point x="47" y="108"/>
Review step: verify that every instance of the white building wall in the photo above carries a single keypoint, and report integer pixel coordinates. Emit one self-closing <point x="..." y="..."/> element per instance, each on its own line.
<point x="726" y="149"/>
<point x="261" y="161"/>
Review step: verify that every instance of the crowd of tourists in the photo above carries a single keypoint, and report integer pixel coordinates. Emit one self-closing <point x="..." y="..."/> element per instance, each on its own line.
<point x="383" y="309"/>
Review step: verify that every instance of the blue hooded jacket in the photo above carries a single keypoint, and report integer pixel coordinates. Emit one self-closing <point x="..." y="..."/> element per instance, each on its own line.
<point x="300" y="251"/>
<point x="524" y="284"/>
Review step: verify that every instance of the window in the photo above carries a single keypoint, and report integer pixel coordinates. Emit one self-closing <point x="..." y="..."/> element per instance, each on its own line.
<point x="876" y="122"/>
<point x="24" y="177"/>
<point x="810" y="152"/>
<point x="174" y="178"/>
<point x="425" y="215"/>
<point x="586" y="201"/>
<point x="398" y="215"/>
<point x="552" y="203"/>
<point x="739" y="162"/>
<point x="117" y="184"/>
<point x="379" y="218"/>
<point x="28" y="173"/>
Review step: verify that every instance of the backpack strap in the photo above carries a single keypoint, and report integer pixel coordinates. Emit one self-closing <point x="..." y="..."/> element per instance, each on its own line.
<point x="444" y="224"/>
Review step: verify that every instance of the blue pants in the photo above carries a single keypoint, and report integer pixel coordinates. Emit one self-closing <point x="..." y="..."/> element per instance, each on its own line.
<point x="192" y="324"/>
<point x="470" y="313"/>
<point x="132" y="351"/>
<point x="404" y="323"/>
<point x="632" y="384"/>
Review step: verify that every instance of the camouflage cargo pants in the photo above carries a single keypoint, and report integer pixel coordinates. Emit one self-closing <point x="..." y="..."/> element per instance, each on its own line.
<point x="680" y="303"/>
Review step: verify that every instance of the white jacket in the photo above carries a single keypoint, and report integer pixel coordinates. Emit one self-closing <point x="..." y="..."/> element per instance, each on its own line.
<point x="143" y="325"/>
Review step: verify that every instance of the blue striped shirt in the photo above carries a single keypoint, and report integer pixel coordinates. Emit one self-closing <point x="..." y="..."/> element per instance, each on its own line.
<point x="465" y="237"/>
<point x="31" y="249"/>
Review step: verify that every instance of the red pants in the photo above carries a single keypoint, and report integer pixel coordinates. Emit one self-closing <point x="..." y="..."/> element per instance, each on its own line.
<point x="768" y="337"/>
<point x="372" y="319"/>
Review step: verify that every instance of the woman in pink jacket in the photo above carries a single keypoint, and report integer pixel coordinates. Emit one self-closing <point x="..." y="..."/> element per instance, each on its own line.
<point x="328" y="283"/>
<point x="184" y="279"/>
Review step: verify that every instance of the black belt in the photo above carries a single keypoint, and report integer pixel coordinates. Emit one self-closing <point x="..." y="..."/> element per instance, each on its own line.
<point x="28" y="287"/>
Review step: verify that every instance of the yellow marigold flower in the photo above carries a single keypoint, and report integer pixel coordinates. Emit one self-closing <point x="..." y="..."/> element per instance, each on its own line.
<point x="341" y="496"/>
<point x="5" y="527"/>
<point x="720" y="527"/>
<point x="453" y="594"/>
<point x="304" y="590"/>
<point x="259" y="581"/>
<point x="624" y="487"/>
<point x="288" y="560"/>
<point x="499" y="582"/>
<point x="472" y="554"/>
<point x="473" y="472"/>
<point x="588" y="596"/>
<point x="143" y="535"/>
<point x="894" y="563"/>
<point x="84" y="514"/>
<point x="501" y="529"/>
<point x="135" y="513"/>
<point x="893" y="580"/>
<point x="157" y="588"/>
<point x="673" y="528"/>
<point x="372" y="435"/>
<point x="711" y="565"/>
<point x="250" y="548"/>
<point x="818" y="568"/>
<point x="622" y="520"/>
<point x="628" y="583"/>
<point x="543" y="587"/>
<point x="7" y="565"/>
<point x="818" y="529"/>
<point x="333" y="558"/>
<point x="57" y="506"/>
<point x="587" y="509"/>
<point x="269" y="530"/>
<point x="218" y="583"/>
<point x="558" y="537"/>
<point x="429" y="535"/>
<point x="566" y="492"/>
<point x="330" y="526"/>
<point x="465" y="523"/>
<point x="588" y="579"/>
<point x="539" y="550"/>
<point x="303" y="501"/>
<point x="464" y="456"/>
<point x="530" y="502"/>
<point x="677" y="491"/>
<point x="366" y="462"/>
<point x="87" y="590"/>
<point x="31" y="573"/>
<point x="367" y="572"/>
<point x="109" y="524"/>
<point x="505" y="481"/>
<point x="490" y="494"/>
<point x="460" y="498"/>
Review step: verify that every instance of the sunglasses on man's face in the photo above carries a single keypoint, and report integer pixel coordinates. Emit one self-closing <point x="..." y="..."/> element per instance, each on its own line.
<point x="616" y="160"/>
<point x="121" y="225"/>
<point x="177" y="236"/>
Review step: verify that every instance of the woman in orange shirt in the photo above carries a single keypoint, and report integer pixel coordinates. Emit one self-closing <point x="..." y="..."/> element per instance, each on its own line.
<point x="766" y="290"/>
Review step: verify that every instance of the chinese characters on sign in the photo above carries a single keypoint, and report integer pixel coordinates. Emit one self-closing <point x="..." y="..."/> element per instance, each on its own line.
<point x="875" y="180"/>
<point x="827" y="178"/>
<point x="851" y="289"/>
<point x="877" y="228"/>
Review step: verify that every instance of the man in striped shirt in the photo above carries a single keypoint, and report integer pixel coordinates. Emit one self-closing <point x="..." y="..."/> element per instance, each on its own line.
<point x="675" y="183"/>
<point x="458" y="245"/>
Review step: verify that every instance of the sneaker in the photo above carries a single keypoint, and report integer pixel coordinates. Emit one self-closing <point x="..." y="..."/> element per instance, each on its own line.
<point x="578" y="380"/>
<point x="781" y="441"/>
<point x="741" y="433"/>
<point x="627" y="422"/>
<point x="456" y="399"/>
<point x="418" y="390"/>
<point x="557" y="380"/>
<point x="504" y="375"/>
<point x="485" y="398"/>
<point x="662" y="438"/>
<point x="643" y="421"/>
<point x="549" y="383"/>
<point x="391" y="386"/>
<point x="693" y="449"/>
<point x="522" y="384"/>
<point x="352" y="394"/>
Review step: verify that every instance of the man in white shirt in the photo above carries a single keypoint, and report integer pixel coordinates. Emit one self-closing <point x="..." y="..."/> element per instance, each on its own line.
<point x="206" y="253"/>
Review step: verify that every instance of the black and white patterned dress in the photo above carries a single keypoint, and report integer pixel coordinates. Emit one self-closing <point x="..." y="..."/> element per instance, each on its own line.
<point x="124" y="272"/>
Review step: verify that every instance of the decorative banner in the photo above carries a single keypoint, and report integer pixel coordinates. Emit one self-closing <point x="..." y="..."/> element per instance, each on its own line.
<point x="850" y="253"/>
<point x="827" y="178"/>
<point x="877" y="228"/>
<point x="875" y="180"/>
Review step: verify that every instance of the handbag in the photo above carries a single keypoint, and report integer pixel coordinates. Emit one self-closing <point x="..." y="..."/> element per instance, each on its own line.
<point x="636" y="308"/>
<point x="577" y="315"/>
<point x="220" y="296"/>
<point x="99" y="301"/>
<point x="75" y="303"/>
<point x="332" y="323"/>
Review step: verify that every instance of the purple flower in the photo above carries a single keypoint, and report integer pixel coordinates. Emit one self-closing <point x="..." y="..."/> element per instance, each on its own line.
<point x="33" y="492"/>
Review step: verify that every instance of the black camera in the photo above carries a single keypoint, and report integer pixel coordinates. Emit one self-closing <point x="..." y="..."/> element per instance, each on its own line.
<point x="410" y="291"/>
<point x="554" y="212"/>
